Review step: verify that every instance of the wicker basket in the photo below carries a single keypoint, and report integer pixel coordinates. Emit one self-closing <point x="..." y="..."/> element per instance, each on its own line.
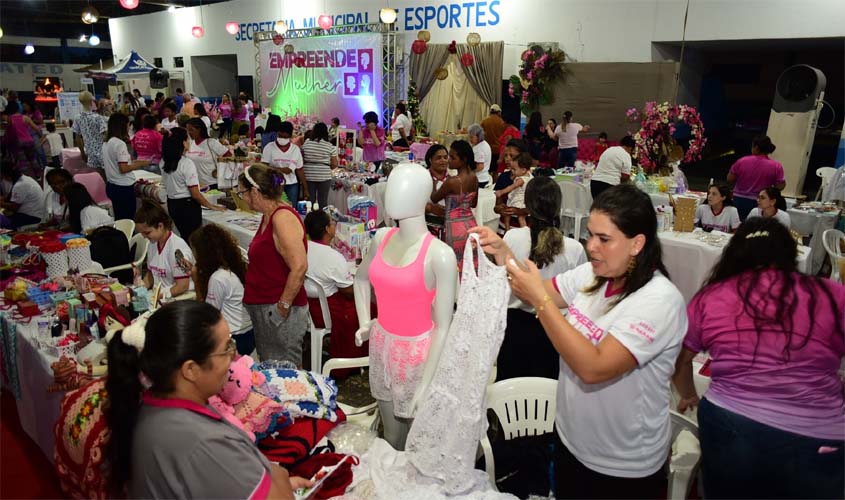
<point x="685" y="214"/>
<point x="51" y="347"/>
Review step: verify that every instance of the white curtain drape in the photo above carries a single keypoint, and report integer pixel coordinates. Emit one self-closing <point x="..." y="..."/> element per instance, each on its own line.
<point x="452" y="104"/>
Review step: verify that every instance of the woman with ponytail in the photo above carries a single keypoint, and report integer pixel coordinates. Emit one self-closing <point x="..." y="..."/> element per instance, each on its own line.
<point x="543" y="243"/>
<point x="166" y="441"/>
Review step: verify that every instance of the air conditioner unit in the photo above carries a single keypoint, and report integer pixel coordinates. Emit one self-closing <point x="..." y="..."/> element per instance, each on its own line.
<point x="792" y="123"/>
<point x="159" y="78"/>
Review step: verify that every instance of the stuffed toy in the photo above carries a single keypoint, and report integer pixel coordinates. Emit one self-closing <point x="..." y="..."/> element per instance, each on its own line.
<point x="66" y="377"/>
<point x="244" y="408"/>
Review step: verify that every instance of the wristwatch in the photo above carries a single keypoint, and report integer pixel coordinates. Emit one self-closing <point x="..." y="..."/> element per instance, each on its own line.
<point x="285" y="305"/>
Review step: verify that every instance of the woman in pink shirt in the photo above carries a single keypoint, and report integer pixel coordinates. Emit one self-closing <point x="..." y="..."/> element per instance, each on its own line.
<point x="226" y="114"/>
<point x="755" y="173"/>
<point x="372" y="139"/>
<point x="772" y="423"/>
<point x="147" y="143"/>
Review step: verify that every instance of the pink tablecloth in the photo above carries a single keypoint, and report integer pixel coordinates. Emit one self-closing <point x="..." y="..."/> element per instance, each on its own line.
<point x="419" y="150"/>
<point x="72" y="160"/>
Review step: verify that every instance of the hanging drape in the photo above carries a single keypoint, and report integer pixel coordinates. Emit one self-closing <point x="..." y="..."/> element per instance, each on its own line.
<point x="423" y="67"/>
<point x="452" y="104"/>
<point x="485" y="74"/>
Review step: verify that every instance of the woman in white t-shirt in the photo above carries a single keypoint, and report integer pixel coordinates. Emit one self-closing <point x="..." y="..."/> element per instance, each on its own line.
<point x="181" y="182"/>
<point x="168" y="116"/>
<point x="118" y="164"/>
<point x="218" y="277"/>
<point x="202" y="114"/>
<point x="334" y="274"/>
<point x="717" y="214"/>
<point x="169" y="258"/>
<point x="286" y="157"/>
<point x="203" y="151"/>
<point x="554" y="254"/>
<point x="770" y="203"/>
<point x="482" y="152"/>
<point x="617" y="349"/>
<point x="400" y="129"/>
<point x="55" y="206"/>
<point x="566" y="135"/>
<point x="24" y="200"/>
<point x="84" y="215"/>
<point x="614" y="166"/>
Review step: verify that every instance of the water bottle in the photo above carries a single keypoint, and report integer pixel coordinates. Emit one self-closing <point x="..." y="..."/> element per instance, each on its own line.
<point x="411" y="156"/>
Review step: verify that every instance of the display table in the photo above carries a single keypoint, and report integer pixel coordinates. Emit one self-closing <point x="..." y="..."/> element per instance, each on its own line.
<point x="447" y="138"/>
<point x="345" y="184"/>
<point x="812" y="220"/>
<point x="27" y="374"/>
<point x="689" y="259"/>
<point x="242" y="225"/>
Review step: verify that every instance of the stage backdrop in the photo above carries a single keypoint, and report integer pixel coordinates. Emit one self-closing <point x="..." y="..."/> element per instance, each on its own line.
<point x="337" y="76"/>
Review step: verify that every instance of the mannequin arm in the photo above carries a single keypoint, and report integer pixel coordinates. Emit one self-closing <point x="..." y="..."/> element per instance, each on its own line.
<point x="363" y="291"/>
<point x="445" y="267"/>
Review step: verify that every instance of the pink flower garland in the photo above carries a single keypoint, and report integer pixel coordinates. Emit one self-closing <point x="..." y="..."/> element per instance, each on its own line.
<point x="657" y="125"/>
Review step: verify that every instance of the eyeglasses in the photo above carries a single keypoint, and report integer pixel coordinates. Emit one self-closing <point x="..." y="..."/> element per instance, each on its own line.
<point x="231" y="349"/>
<point x="241" y="193"/>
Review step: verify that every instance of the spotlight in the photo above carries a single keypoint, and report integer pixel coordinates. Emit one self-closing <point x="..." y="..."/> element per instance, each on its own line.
<point x="387" y="15"/>
<point x="29" y="49"/>
<point x="94" y="40"/>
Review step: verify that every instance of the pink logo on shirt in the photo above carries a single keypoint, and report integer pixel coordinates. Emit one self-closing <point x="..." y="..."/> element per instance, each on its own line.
<point x="644" y="330"/>
<point x="591" y="330"/>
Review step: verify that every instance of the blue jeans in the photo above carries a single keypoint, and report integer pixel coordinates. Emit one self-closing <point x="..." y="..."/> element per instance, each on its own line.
<point x="744" y="206"/>
<point x="741" y="458"/>
<point x="292" y="192"/>
<point x="566" y="157"/>
<point x="245" y="342"/>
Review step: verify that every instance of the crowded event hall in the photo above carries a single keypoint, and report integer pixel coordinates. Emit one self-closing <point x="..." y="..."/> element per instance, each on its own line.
<point x="420" y="249"/>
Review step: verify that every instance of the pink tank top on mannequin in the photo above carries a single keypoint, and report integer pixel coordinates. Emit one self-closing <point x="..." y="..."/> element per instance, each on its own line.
<point x="404" y="301"/>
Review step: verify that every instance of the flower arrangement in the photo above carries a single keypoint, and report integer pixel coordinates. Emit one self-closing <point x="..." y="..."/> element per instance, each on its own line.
<point x="538" y="70"/>
<point x="301" y="122"/>
<point x="656" y="146"/>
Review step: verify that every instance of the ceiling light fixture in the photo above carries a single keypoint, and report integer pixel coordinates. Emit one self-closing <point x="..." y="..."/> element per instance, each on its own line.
<point x="83" y="38"/>
<point x="281" y="27"/>
<point x="387" y="15"/>
<point x="29" y="49"/>
<point x="129" y="4"/>
<point x="90" y="15"/>
<point x="94" y="40"/>
<point x="232" y="28"/>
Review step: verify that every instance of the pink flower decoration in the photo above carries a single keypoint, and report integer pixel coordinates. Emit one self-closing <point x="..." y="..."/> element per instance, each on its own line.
<point x="530" y="75"/>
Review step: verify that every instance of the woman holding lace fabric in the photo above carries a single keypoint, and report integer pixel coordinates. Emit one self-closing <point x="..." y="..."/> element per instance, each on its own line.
<point x="771" y="424"/>
<point x="617" y="349"/>
<point x="166" y="441"/>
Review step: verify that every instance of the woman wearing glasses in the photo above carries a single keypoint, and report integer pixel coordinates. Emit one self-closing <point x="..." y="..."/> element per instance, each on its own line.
<point x="273" y="293"/>
<point x="166" y="441"/>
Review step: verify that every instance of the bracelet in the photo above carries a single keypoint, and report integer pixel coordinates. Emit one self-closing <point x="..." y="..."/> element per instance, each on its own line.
<point x="542" y="306"/>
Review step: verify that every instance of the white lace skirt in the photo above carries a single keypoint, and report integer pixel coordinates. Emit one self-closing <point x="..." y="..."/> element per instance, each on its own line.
<point x="396" y="367"/>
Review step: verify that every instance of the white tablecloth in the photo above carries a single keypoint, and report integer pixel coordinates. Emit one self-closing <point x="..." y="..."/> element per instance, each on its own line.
<point x="814" y="224"/>
<point x="38" y="410"/>
<point x="241" y="224"/>
<point x="483" y="211"/>
<point x="147" y="176"/>
<point x="689" y="260"/>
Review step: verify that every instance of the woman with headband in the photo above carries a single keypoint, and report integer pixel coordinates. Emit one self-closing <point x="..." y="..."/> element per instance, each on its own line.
<point x="273" y="293"/>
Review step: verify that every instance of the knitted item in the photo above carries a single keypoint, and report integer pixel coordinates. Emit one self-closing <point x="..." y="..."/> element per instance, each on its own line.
<point x="303" y="394"/>
<point x="292" y="444"/>
<point x="82" y="437"/>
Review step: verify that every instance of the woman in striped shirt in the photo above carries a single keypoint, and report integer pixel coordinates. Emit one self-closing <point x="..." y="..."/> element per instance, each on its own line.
<point x="319" y="158"/>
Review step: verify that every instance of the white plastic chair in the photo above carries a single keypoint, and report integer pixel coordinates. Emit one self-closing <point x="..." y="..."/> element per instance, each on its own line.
<point x="575" y="203"/>
<point x="314" y="291"/>
<point x="126" y="226"/>
<point x="365" y="416"/>
<point x="686" y="455"/>
<point x="525" y="406"/>
<point x="826" y="173"/>
<point x="833" y="239"/>
<point x="138" y="257"/>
